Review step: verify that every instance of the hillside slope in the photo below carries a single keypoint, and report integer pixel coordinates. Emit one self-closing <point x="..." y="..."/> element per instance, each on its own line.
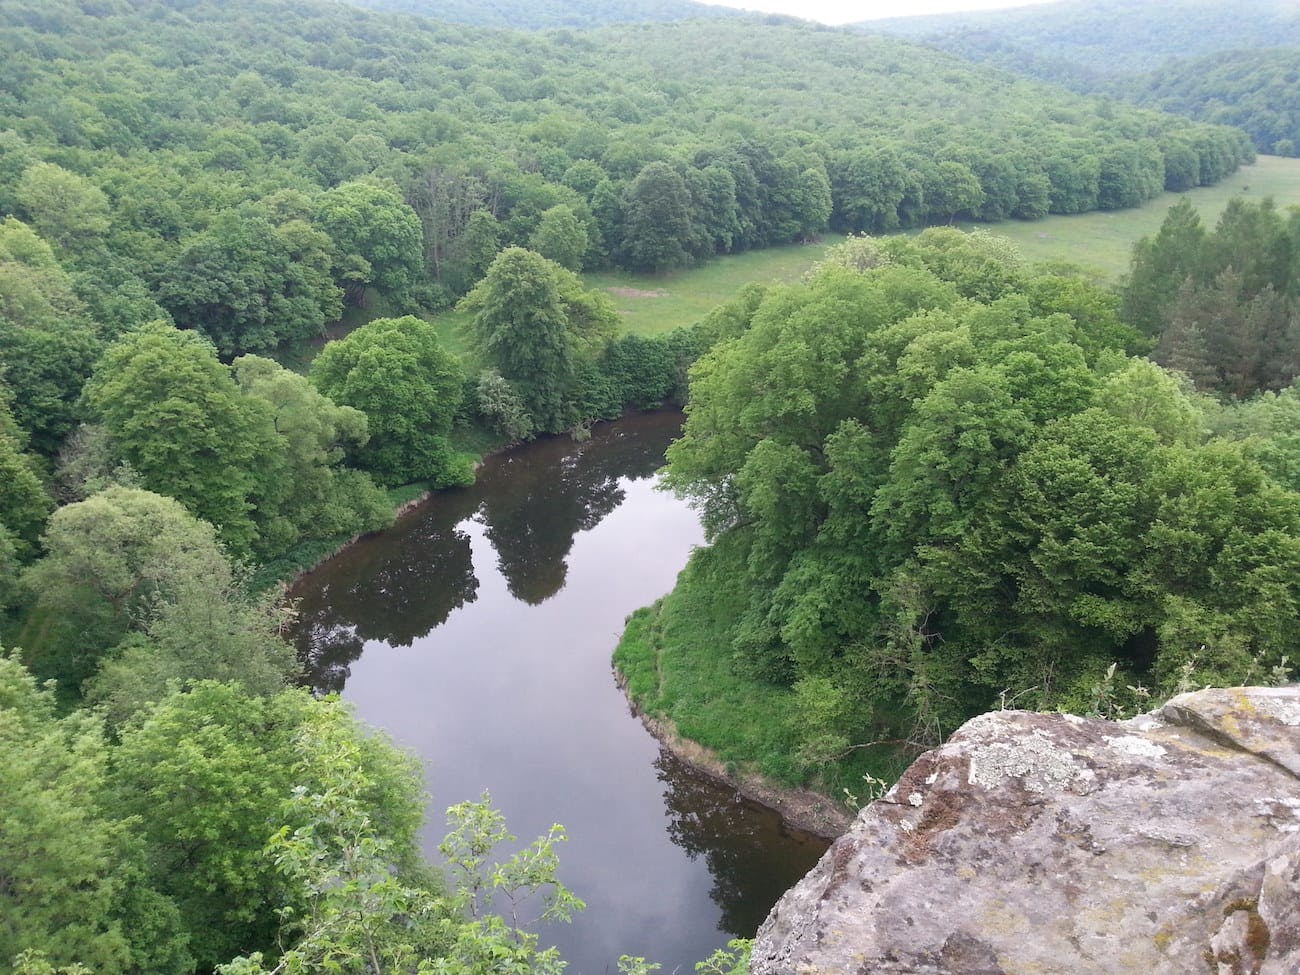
<point x="1104" y="36"/>
<point x="541" y="14"/>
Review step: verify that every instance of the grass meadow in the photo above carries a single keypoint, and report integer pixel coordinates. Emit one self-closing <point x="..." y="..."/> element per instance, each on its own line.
<point x="650" y="304"/>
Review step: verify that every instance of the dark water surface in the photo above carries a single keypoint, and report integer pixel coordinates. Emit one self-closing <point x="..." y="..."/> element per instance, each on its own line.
<point x="478" y="631"/>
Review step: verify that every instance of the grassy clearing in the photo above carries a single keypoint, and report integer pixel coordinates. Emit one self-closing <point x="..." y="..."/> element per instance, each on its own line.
<point x="1102" y="241"/>
<point x="650" y="304"/>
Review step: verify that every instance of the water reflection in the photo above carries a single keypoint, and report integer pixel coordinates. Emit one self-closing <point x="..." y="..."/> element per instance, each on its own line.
<point x="532" y="501"/>
<point x="477" y="632"/>
<point x="393" y="588"/>
<point x="709" y="820"/>
<point x="538" y="499"/>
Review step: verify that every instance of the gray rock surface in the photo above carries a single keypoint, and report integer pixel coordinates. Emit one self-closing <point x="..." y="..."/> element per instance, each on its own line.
<point x="1038" y="844"/>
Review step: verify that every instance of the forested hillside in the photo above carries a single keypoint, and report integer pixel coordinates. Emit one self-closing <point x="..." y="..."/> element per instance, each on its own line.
<point x="255" y="128"/>
<point x="1257" y="91"/>
<point x="1234" y="65"/>
<point x="535" y="14"/>
<point x="894" y="461"/>
<point x="1106" y="37"/>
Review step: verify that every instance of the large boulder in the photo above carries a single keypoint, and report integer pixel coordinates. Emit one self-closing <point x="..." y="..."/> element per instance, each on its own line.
<point x="1044" y="844"/>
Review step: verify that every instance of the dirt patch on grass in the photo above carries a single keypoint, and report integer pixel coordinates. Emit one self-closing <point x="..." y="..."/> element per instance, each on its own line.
<point x="637" y="293"/>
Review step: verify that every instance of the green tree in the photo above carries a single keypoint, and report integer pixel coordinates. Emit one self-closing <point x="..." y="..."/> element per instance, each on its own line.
<point x="59" y="851"/>
<point x="205" y="780"/>
<point x="303" y="489"/>
<point x="65" y="208"/>
<point x="109" y="562"/>
<point x="249" y="284"/>
<point x="478" y="245"/>
<point x="24" y="502"/>
<point x="917" y="500"/>
<point x="657" y="219"/>
<point x="534" y="322"/>
<point x="47" y="345"/>
<point x="1160" y="265"/>
<point x="395" y="371"/>
<point x="378" y="238"/>
<point x="560" y="237"/>
<point x="176" y="416"/>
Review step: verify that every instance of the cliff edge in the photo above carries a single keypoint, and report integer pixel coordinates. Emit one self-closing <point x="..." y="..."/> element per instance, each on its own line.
<point x="1031" y="843"/>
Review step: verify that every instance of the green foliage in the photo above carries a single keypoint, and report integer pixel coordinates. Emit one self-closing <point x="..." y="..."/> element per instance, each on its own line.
<point x="395" y="371"/>
<point x="359" y="909"/>
<point x="657" y="219"/>
<point x="378" y="238"/>
<point x="109" y="561"/>
<point x="362" y="912"/>
<point x="303" y="490"/>
<point x="731" y="960"/>
<point x="1269" y="426"/>
<point x="176" y="416"/>
<point x="1253" y="90"/>
<point x="1225" y="304"/>
<point x="64" y="207"/>
<point x="212" y="631"/>
<point x="46" y="343"/>
<point x="224" y="183"/>
<point x="560" y="237"/>
<point x="248" y="284"/>
<point x="24" y="502"/>
<point x="498" y="403"/>
<point x="651" y="372"/>
<point x="535" y="323"/>
<point x="58" y="850"/>
<point x="939" y="478"/>
<point x="204" y="777"/>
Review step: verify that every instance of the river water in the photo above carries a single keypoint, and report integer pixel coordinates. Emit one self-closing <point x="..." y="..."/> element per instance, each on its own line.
<point x="477" y="632"/>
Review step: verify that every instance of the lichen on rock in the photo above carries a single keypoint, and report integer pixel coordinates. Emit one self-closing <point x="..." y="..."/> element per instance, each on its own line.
<point x="1030" y="843"/>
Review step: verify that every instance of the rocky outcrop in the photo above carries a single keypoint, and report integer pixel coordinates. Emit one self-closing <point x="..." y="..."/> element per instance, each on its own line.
<point x="1038" y="844"/>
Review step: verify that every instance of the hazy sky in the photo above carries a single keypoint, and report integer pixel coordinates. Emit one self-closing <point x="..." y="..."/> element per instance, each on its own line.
<point x="850" y="11"/>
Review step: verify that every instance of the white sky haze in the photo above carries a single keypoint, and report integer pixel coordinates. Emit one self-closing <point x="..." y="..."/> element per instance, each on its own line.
<point x="852" y="11"/>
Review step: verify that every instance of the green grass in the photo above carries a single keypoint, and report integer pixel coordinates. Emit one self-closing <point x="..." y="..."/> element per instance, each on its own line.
<point x="653" y="303"/>
<point x="1102" y="241"/>
<point x="676" y="658"/>
<point x="650" y="304"/>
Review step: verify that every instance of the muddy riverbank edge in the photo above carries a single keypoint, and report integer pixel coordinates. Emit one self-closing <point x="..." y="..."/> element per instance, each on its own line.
<point x="801" y="809"/>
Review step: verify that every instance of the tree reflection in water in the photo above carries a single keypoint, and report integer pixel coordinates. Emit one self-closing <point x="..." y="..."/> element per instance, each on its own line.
<point x="532" y="501"/>
<point x="751" y="854"/>
<point x="540" y="498"/>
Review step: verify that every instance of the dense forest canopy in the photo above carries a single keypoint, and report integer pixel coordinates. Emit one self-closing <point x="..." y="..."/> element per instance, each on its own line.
<point x="151" y="143"/>
<point x="930" y="472"/>
<point x="933" y="475"/>
<point x="1232" y="65"/>
<point x="1257" y="91"/>
<point x="1109" y="36"/>
<point x="580" y="14"/>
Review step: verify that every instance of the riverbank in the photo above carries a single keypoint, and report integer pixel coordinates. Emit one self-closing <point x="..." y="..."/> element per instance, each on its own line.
<point x="676" y="665"/>
<point x="801" y="809"/>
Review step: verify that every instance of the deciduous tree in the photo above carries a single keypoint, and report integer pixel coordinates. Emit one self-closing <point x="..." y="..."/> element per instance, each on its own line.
<point x="396" y="372"/>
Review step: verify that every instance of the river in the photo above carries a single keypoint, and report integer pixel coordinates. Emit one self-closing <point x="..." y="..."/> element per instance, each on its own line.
<point x="477" y="632"/>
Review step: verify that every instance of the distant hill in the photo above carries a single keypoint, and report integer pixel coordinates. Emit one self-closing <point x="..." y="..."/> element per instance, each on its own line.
<point x="1258" y="91"/>
<point x="1232" y="64"/>
<point x="541" y="14"/>
<point x="1100" y="37"/>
